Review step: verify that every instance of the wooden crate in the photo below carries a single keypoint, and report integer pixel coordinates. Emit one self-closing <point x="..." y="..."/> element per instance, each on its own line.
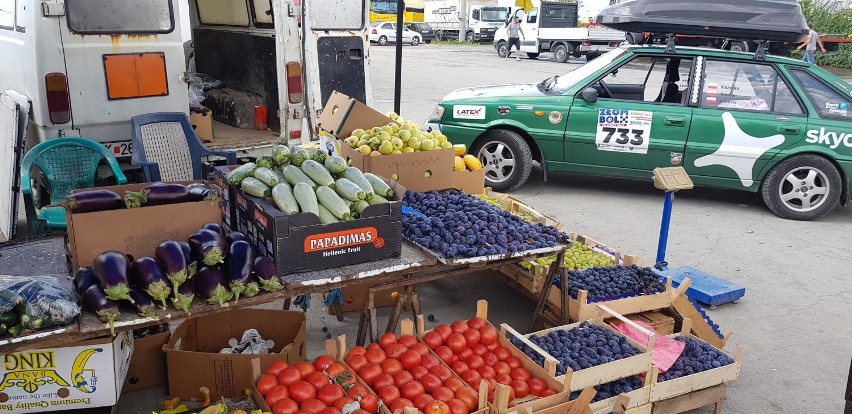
<point x="684" y="309"/>
<point x="658" y="320"/>
<point x="694" y="400"/>
<point x="514" y="205"/>
<point x="620" y="406"/>
<point x="532" y="280"/>
<point x="581" y="309"/>
<point x="632" y="400"/>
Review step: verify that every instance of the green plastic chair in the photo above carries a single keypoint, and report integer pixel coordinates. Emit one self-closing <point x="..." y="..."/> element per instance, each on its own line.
<point x="67" y="164"/>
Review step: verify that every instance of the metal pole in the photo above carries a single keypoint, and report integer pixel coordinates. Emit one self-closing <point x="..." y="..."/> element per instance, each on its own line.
<point x="463" y="14"/>
<point x="664" y="230"/>
<point x="397" y="92"/>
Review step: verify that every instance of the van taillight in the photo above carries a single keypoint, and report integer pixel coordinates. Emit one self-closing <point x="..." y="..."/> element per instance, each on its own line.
<point x="58" y="103"/>
<point x="294" y="82"/>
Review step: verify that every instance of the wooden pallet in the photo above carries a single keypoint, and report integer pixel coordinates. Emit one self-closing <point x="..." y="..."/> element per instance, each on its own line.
<point x="581" y="309"/>
<point x="662" y="323"/>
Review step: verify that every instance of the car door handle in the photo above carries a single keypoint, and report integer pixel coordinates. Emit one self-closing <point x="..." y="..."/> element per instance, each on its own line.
<point x="789" y="129"/>
<point x="675" y="120"/>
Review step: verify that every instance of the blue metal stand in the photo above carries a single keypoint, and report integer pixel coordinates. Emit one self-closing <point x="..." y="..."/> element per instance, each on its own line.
<point x="664" y="232"/>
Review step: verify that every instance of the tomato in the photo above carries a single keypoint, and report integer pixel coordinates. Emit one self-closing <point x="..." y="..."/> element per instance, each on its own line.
<point x="466" y="352"/>
<point x="459" y="326"/>
<point x="547" y="393"/>
<point x="456" y="342"/>
<point x="474" y="361"/>
<point x="357" y="361"/>
<point x="391" y="366"/>
<point x="330" y="393"/>
<point x="361" y="412"/>
<point x="479" y="349"/>
<point x="356" y="390"/>
<point x="301" y="391"/>
<point x="502" y="368"/>
<point x="394" y="351"/>
<point x="412" y="389"/>
<point x="430" y="382"/>
<point x="454" y="384"/>
<point x="459" y="367"/>
<point x="266" y="383"/>
<point x="443" y="393"/>
<point x="487" y="335"/>
<point x="407" y="340"/>
<point x="522" y="389"/>
<point x="313" y="405"/>
<point x="288" y="376"/>
<point x="504" y="379"/>
<point x="389" y="394"/>
<point x="520" y="374"/>
<point x="537" y="386"/>
<point x="486" y="371"/>
<point x="469" y="397"/>
<point x="357" y="350"/>
<point x="433" y="340"/>
<point x="419" y="372"/>
<point x="457" y="406"/>
<point x="400" y="404"/>
<point x="471" y="376"/>
<point x="476" y="323"/>
<point x="471" y="336"/>
<point x="430" y="361"/>
<point x="387" y="339"/>
<point x="375" y="356"/>
<point x="444" y="330"/>
<point x="401" y="378"/>
<point x="490" y="358"/>
<point x="277" y="393"/>
<point x="513" y="362"/>
<point x="329" y="410"/>
<point x="371" y="346"/>
<point x="383" y="381"/>
<point x="334" y="370"/>
<point x="316" y="378"/>
<point x="441" y="372"/>
<point x="276" y="367"/>
<point x="446" y="354"/>
<point x="437" y="407"/>
<point x="285" y="406"/>
<point x="322" y="362"/>
<point x="502" y="353"/>
<point x="421" y="401"/>
<point x="369" y="373"/>
<point x="369" y="403"/>
<point x="305" y="368"/>
<point x="342" y="401"/>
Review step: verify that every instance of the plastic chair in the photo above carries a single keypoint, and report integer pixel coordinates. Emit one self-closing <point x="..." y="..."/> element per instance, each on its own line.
<point x="167" y="149"/>
<point x="67" y="164"/>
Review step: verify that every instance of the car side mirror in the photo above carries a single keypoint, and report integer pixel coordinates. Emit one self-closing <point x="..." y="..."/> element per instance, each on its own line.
<point x="589" y="95"/>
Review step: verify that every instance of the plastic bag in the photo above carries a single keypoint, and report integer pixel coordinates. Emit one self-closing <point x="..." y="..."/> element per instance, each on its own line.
<point x="196" y="91"/>
<point x="666" y="350"/>
<point x="251" y="343"/>
<point x="34" y="303"/>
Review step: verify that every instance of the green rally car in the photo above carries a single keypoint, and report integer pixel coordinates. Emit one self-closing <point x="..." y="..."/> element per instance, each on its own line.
<point x="769" y="124"/>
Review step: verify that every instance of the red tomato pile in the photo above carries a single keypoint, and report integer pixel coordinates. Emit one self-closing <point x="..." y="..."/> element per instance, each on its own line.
<point x="472" y="350"/>
<point x="316" y="388"/>
<point x="404" y="373"/>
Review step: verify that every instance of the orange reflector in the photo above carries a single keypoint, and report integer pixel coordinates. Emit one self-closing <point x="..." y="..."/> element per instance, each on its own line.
<point x="58" y="103"/>
<point x="136" y="75"/>
<point x="294" y="82"/>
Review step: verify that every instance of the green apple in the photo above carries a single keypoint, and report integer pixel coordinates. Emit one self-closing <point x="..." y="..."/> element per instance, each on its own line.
<point x="358" y="132"/>
<point x="427" y="145"/>
<point x="386" y="148"/>
<point x="384" y="136"/>
<point x="414" y="143"/>
<point x="396" y="151"/>
<point x="397" y="143"/>
<point x="446" y="145"/>
<point x="407" y="150"/>
<point x="404" y="135"/>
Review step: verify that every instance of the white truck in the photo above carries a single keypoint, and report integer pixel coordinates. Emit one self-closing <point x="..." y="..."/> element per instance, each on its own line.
<point x="551" y="26"/>
<point x="483" y="18"/>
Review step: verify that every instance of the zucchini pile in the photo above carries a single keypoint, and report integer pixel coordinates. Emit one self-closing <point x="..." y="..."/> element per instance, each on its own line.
<point x="311" y="183"/>
<point x="34" y="303"/>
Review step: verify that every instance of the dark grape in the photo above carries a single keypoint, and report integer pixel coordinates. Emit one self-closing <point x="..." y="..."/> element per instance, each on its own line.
<point x="613" y="282"/>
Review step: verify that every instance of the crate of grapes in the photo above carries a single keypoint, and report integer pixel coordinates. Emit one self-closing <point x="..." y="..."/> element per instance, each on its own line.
<point x="519" y="208"/>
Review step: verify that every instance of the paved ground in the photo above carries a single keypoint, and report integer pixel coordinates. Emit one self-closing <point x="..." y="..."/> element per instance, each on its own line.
<point x="793" y="321"/>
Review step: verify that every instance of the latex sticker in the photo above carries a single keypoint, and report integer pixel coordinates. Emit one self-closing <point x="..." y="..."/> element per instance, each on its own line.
<point x="468" y="112"/>
<point x="623" y="130"/>
<point x="555" y="117"/>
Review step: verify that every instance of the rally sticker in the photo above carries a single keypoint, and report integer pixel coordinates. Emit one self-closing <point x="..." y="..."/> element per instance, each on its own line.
<point x="468" y="112"/>
<point x="555" y="117"/>
<point x="710" y="92"/>
<point x="623" y="130"/>
<point x="524" y="107"/>
<point x="503" y="110"/>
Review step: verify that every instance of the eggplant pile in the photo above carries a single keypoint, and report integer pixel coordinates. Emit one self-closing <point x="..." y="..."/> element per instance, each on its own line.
<point x="156" y="194"/>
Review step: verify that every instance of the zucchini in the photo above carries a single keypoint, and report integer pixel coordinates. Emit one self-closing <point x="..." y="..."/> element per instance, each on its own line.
<point x="349" y="190"/>
<point x="294" y="176"/>
<point x="281" y="155"/>
<point x="360" y="205"/>
<point x="335" y="164"/>
<point x="236" y="177"/>
<point x="325" y="216"/>
<point x="353" y="174"/>
<point x="280" y="175"/>
<point x="317" y="173"/>
<point x="306" y="198"/>
<point x="380" y="187"/>
<point x="282" y="194"/>
<point x="377" y="199"/>
<point x="254" y="187"/>
<point x="266" y="176"/>
<point x="330" y="200"/>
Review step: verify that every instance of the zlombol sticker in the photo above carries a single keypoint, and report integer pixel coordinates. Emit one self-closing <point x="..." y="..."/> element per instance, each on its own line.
<point x="555" y="117"/>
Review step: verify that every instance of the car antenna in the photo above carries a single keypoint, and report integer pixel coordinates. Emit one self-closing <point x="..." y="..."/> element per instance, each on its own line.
<point x="760" y="53"/>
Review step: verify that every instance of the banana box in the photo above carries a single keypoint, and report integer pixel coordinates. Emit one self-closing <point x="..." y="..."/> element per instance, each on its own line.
<point x="85" y="376"/>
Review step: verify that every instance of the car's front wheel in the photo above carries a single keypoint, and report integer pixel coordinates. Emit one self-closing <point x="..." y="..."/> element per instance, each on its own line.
<point x="506" y="157"/>
<point x="532" y="55"/>
<point x="383" y="41"/>
<point x="415" y="41"/>
<point x="502" y="49"/>
<point x="803" y="187"/>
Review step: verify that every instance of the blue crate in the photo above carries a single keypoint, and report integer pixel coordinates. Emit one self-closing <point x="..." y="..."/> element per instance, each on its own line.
<point x="705" y="288"/>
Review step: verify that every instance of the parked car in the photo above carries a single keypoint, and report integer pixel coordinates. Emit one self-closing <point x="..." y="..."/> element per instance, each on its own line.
<point x="383" y="33"/>
<point x="426" y="32"/>
<point x="765" y="124"/>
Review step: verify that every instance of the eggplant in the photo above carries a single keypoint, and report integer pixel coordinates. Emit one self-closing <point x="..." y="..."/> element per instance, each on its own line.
<point x="111" y="269"/>
<point x="94" y="299"/>
<point x="92" y="200"/>
<point x="191" y="263"/>
<point x="214" y="227"/>
<point x="201" y="192"/>
<point x="211" y="284"/>
<point x="83" y="278"/>
<point x="157" y="194"/>
<point x="234" y="236"/>
<point x="208" y="246"/>
<point x="146" y="274"/>
<point x="171" y="255"/>
<point x="183" y="298"/>
<point x="267" y="274"/>
<point x="240" y="263"/>
<point x="142" y="304"/>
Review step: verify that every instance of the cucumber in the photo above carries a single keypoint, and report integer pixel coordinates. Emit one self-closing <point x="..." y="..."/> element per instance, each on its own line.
<point x="281" y="155"/>
<point x="254" y="187"/>
<point x="353" y="174"/>
<point x="282" y="194"/>
<point x="328" y="198"/>
<point x="377" y="199"/>
<point x="380" y="187"/>
<point x="317" y="173"/>
<point x="335" y="164"/>
<point x="265" y="162"/>
<point x="298" y="157"/>
<point x="349" y="190"/>
<point x="236" y="177"/>
<point x="294" y="176"/>
<point x="266" y="176"/>
<point x="360" y="205"/>
<point x="325" y="216"/>
<point x="306" y="198"/>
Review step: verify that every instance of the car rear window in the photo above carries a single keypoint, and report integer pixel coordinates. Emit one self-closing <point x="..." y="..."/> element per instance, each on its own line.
<point x="115" y="17"/>
<point x="828" y="102"/>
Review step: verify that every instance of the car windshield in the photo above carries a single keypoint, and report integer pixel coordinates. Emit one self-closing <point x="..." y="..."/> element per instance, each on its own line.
<point x="557" y="85"/>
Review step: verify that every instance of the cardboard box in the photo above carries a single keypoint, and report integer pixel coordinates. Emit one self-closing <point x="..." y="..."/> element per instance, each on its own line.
<point x="299" y="243"/>
<point x="471" y="182"/>
<point x="135" y="231"/>
<point x="147" y="367"/>
<point x="417" y="171"/>
<point x="86" y="375"/>
<point x="202" y="123"/>
<point x="342" y="115"/>
<point x="193" y="358"/>
<point x="99" y="410"/>
<point x="226" y="195"/>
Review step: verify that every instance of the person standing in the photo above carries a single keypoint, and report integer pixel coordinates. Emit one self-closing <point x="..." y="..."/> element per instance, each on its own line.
<point x="810" y="44"/>
<point x="513" y="29"/>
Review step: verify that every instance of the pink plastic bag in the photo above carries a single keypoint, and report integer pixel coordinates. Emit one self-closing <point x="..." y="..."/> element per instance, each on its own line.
<point x="666" y="351"/>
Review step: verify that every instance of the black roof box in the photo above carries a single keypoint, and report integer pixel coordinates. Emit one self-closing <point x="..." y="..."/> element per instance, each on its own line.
<point x="770" y="20"/>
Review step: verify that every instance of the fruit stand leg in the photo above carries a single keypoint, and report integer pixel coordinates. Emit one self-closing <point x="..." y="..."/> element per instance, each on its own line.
<point x="541" y="306"/>
<point x="367" y="324"/>
<point x="286" y="304"/>
<point x="407" y="299"/>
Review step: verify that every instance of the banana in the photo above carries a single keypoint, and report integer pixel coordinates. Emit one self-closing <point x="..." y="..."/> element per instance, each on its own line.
<point x="77" y="370"/>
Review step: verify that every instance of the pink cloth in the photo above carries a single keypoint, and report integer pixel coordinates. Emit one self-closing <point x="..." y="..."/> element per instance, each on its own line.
<point x="666" y="351"/>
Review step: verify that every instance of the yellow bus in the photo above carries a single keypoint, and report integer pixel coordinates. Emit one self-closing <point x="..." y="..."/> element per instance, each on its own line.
<point x="385" y="10"/>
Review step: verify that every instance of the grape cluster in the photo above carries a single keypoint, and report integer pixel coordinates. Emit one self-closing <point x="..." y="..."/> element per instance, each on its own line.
<point x="581" y="347"/>
<point x="459" y="225"/>
<point x="613" y="389"/>
<point x="697" y="356"/>
<point x="613" y="282"/>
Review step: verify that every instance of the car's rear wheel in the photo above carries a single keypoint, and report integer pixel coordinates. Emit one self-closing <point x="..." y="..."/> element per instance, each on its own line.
<point x="560" y="53"/>
<point x="383" y="41"/>
<point x="415" y="41"/>
<point x="502" y="49"/>
<point x="506" y="157"/>
<point x="803" y="187"/>
<point x="533" y="55"/>
<point x="592" y="56"/>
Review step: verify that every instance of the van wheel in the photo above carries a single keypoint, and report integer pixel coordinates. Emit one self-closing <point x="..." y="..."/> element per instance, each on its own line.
<point x="560" y="53"/>
<point x="383" y="41"/>
<point x="804" y="187"/>
<point x="506" y="158"/>
<point x="502" y="49"/>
